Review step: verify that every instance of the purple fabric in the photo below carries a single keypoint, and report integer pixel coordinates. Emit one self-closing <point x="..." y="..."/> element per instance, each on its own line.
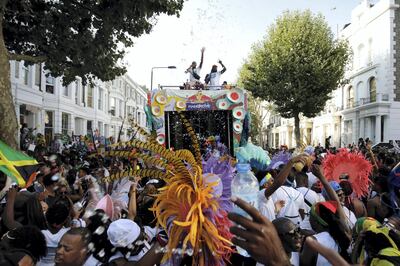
<point x="281" y="156"/>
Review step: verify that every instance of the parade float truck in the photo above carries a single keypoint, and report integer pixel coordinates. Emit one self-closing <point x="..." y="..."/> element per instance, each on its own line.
<point x="221" y="114"/>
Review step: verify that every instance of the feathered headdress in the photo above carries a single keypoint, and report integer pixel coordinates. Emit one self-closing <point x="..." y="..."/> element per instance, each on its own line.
<point x="224" y="168"/>
<point x="255" y="155"/>
<point x="187" y="207"/>
<point x="282" y="157"/>
<point x="352" y="164"/>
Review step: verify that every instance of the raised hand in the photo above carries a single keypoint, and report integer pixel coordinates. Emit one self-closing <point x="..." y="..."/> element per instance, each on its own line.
<point x="317" y="171"/>
<point x="12" y="193"/>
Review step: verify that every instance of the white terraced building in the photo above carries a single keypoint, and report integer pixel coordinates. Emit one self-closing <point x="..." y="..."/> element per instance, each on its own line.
<point x="369" y="105"/>
<point x="45" y="104"/>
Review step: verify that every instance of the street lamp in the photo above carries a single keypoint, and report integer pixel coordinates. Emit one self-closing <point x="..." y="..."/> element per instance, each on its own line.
<point x="151" y="83"/>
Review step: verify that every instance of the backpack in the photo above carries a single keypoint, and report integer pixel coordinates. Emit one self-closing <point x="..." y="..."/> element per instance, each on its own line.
<point x="291" y="209"/>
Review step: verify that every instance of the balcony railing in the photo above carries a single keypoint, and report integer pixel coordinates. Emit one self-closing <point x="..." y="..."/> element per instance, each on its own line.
<point x="380" y="97"/>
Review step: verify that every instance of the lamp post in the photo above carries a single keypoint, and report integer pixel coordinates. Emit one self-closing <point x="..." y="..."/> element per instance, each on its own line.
<point x="151" y="83"/>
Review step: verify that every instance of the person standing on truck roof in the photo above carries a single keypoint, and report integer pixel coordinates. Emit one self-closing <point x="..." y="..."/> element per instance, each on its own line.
<point x="213" y="78"/>
<point x="194" y="71"/>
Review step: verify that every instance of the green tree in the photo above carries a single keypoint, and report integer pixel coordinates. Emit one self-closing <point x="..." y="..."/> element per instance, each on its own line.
<point x="259" y="111"/>
<point x="296" y="66"/>
<point x="84" y="38"/>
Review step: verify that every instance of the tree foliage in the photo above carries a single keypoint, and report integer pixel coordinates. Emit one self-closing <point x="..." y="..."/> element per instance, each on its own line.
<point x="296" y="66"/>
<point x="84" y="38"/>
<point x="259" y="111"/>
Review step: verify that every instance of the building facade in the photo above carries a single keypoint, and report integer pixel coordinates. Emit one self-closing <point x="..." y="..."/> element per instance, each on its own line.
<point x="368" y="106"/>
<point x="45" y="104"/>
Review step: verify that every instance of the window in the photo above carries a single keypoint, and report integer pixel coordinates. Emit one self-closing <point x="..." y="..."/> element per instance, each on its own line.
<point x="65" y="90"/>
<point x="64" y="123"/>
<point x="350" y="97"/>
<point x="76" y="92"/>
<point x="112" y="106"/>
<point x="25" y="72"/>
<point x="16" y="69"/>
<point x="83" y="95"/>
<point x="100" y="127"/>
<point x="89" y="126"/>
<point x="90" y="96"/>
<point x="372" y="89"/>
<point x="360" y="91"/>
<point x="48" y="126"/>
<point x="38" y="75"/>
<point x="100" y="99"/>
<point x="50" y="84"/>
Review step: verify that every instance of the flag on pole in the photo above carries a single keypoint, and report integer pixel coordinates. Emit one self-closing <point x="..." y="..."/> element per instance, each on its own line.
<point x="17" y="165"/>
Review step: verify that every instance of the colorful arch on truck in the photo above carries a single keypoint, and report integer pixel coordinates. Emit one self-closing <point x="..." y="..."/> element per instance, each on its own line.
<point x="166" y="101"/>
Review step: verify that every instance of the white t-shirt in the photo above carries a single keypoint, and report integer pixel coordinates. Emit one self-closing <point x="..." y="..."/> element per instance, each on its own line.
<point x="286" y="194"/>
<point x="214" y="79"/>
<point x="266" y="206"/>
<point x="311" y="197"/>
<point x="294" y="259"/>
<point x="191" y="71"/>
<point x="325" y="239"/>
<point x="92" y="261"/>
<point x="52" y="241"/>
<point x="351" y="218"/>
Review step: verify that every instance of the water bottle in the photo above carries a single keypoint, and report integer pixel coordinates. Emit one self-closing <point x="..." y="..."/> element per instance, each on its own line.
<point x="245" y="186"/>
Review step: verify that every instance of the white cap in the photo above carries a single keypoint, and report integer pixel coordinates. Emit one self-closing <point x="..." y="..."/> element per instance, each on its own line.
<point x="123" y="232"/>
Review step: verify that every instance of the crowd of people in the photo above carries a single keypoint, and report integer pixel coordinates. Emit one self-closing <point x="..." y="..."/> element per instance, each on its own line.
<point x="74" y="215"/>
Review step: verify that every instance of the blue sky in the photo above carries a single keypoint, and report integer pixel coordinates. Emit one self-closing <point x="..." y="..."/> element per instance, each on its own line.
<point x="226" y="28"/>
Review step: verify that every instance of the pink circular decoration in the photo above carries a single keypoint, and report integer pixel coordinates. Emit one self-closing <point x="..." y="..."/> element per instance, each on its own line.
<point x="239" y="113"/>
<point x="223" y="104"/>
<point x="237" y="126"/>
<point x="234" y="96"/>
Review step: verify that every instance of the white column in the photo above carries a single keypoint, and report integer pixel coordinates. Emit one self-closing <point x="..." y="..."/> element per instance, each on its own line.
<point x="386" y="128"/>
<point x="354" y="132"/>
<point x="57" y="123"/>
<point x="378" y="128"/>
<point x="72" y="124"/>
<point x="272" y="141"/>
<point x="361" y="129"/>
<point x="368" y="127"/>
<point x="287" y="140"/>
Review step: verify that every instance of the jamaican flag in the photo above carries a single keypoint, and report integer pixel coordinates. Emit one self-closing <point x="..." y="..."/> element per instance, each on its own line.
<point x="17" y="165"/>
